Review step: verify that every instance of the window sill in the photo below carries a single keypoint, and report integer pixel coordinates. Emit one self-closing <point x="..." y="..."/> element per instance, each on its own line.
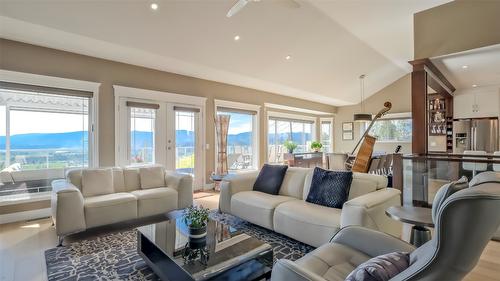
<point x="24" y="198"/>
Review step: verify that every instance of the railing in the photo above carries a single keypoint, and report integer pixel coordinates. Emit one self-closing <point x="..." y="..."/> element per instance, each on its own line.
<point x="33" y="159"/>
<point x="421" y="176"/>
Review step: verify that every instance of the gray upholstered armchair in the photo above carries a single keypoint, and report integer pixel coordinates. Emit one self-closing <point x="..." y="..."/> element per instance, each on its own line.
<point x="465" y="223"/>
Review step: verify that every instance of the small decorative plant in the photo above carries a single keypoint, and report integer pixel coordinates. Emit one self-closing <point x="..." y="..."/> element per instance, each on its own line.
<point x="316" y="146"/>
<point x="196" y="216"/>
<point x="290" y="146"/>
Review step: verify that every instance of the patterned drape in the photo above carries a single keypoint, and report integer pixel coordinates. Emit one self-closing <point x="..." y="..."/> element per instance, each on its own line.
<point x="222" y="127"/>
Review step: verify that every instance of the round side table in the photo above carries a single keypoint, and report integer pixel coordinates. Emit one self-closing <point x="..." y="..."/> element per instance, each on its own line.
<point x="421" y="218"/>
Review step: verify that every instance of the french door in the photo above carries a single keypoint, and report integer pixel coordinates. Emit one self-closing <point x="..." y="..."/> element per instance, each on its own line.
<point x="166" y="133"/>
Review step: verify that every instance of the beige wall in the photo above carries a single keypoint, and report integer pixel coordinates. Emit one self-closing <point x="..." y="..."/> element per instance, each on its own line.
<point x="398" y="93"/>
<point x="16" y="56"/>
<point x="455" y="27"/>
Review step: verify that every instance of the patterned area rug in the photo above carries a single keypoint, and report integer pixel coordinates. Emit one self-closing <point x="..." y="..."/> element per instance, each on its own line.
<point x="114" y="256"/>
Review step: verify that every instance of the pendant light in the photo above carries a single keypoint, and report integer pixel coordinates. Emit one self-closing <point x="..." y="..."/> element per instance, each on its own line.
<point x="360" y="117"/>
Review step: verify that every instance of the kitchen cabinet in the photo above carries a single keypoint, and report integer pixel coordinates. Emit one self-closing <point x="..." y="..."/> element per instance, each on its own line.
<point x="478" y="103"/>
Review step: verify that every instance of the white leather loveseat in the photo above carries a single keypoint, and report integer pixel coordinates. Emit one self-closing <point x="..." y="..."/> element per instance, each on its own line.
<point x="94" y="197"/>
<point x="288" y="213"/>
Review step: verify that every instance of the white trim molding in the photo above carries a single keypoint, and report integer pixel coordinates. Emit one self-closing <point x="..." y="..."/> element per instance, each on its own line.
<point x="291" y="116"/>
<point x="129" y="92"/>
<point x="164" y="129"/>
<point x="296" y="109"/>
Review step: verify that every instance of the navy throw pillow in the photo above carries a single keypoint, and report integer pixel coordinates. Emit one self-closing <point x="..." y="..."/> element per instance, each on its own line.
<point x="380" y="268"/>
<point x="270" y="179"/>
<point x="329" y="188"/>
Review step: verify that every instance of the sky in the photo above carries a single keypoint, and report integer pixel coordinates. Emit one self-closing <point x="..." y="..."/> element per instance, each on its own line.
<point x="24" y="122"/>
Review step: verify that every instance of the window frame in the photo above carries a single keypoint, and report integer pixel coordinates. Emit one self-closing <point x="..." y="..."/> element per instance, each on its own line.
<point x="64" y="83"/>
<point x="297" y="117"/>
<point x="255" y="130"/>
<point x="332" y="131"/>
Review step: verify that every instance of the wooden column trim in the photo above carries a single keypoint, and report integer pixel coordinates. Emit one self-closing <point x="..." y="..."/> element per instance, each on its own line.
<point x="419" y="111"/>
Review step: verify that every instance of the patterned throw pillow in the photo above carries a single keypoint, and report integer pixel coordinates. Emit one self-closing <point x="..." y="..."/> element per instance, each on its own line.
<point x="329" y="188"/>
<point x="380" y="268"/>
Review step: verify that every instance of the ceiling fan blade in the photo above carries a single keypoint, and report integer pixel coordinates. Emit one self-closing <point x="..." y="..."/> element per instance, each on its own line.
<point x="236" y="8"/>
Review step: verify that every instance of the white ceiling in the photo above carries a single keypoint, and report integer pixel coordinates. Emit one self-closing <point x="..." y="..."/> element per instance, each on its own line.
<point x="483" y="67"/>
<point x="331" y="42"/>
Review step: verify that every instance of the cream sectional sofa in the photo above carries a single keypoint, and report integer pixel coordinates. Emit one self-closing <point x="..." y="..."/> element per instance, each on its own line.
<point x="94" y="197"/>
<point x="288" y="213"/>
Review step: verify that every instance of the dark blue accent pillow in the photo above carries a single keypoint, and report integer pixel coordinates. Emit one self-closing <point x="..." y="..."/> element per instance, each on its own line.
<point x="270" y="179"/>
<point x="380" y="268"/>
<point x="329" y="188"/>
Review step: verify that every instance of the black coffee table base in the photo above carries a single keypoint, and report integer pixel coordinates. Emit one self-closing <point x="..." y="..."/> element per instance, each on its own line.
<point x="419" y="235"/>
<point x="168" y="270"/>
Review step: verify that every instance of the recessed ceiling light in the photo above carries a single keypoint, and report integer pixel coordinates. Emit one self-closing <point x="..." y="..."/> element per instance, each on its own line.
<point x="236" y="38"/>
<point x="288" y="57"/>
<point x="465" y="66"/>
<point x="154" y="6"/>
<point x="474" y="85"/>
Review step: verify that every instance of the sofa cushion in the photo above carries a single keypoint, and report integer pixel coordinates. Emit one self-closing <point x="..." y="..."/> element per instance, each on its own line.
<point x="309" y="223"/>
<point x="329" y="188"/>
<point x="109" y="208"/>
<point x="363" y="183"/>
<point x="118" y="180"/>
<point x="380" y="268"/>
<point x="293" y="182"/>
<point x="152" y="177"/>
<point x="270" y="179"/>
<point x="256" y="207"/>
<point x="132" y="179"/>
<point x="97" y="182"/>
<point x="332" y="267"/>
<point x="74" y="176"/>
<point x="155" y="201"/>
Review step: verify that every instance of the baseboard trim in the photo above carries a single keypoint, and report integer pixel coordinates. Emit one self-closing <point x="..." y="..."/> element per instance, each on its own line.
<point x="24" y="216"/>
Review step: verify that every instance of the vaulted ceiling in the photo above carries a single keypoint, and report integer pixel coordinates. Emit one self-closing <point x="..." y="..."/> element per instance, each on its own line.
<point x="330" y="43"/>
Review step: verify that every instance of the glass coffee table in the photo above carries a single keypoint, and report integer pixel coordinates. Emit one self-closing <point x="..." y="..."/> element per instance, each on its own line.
<point x="225" y="253"/>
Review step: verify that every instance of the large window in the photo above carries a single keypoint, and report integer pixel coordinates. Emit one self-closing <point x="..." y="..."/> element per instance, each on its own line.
<point x="391" y="130"/>
<point x="281" y="129"/>
<point x="326" y="135"/>
<point x="241" y="140"/>
<point x="43" y="131"/>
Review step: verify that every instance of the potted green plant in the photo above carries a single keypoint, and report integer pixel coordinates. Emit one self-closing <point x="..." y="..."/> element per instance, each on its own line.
<point x="290" y="146"/>
<point x="316" y="146"/>
<point x="196" y="218"/>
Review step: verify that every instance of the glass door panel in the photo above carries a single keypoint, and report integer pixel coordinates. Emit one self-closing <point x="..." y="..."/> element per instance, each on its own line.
<point x="142" y="135"/>
<point x="185" y="142"/>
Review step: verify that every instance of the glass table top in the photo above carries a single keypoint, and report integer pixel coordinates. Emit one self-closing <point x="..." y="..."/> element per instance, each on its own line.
<point x="223" y="247"/>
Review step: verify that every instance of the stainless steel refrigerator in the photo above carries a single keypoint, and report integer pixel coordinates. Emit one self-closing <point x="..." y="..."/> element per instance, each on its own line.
<point x="475" y="134"/>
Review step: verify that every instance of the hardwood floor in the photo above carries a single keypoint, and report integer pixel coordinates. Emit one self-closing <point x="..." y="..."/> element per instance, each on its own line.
<point x="22" y="247"/>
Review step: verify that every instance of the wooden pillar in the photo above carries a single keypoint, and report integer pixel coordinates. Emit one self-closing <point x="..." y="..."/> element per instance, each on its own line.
<point x="419" y="109"/>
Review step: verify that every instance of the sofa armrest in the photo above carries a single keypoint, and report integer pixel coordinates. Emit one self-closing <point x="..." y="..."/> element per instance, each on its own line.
<point x="369" y="211"/>
<point x="184" y="185"/>
<point x="232" y="184"/>
<point x="286" y="270"/>
<point x="67" y="208"/>
<point x="371" y="242"/>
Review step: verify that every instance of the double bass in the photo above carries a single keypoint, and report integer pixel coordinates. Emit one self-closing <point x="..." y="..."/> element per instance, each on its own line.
<point x="362" y="161"/>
